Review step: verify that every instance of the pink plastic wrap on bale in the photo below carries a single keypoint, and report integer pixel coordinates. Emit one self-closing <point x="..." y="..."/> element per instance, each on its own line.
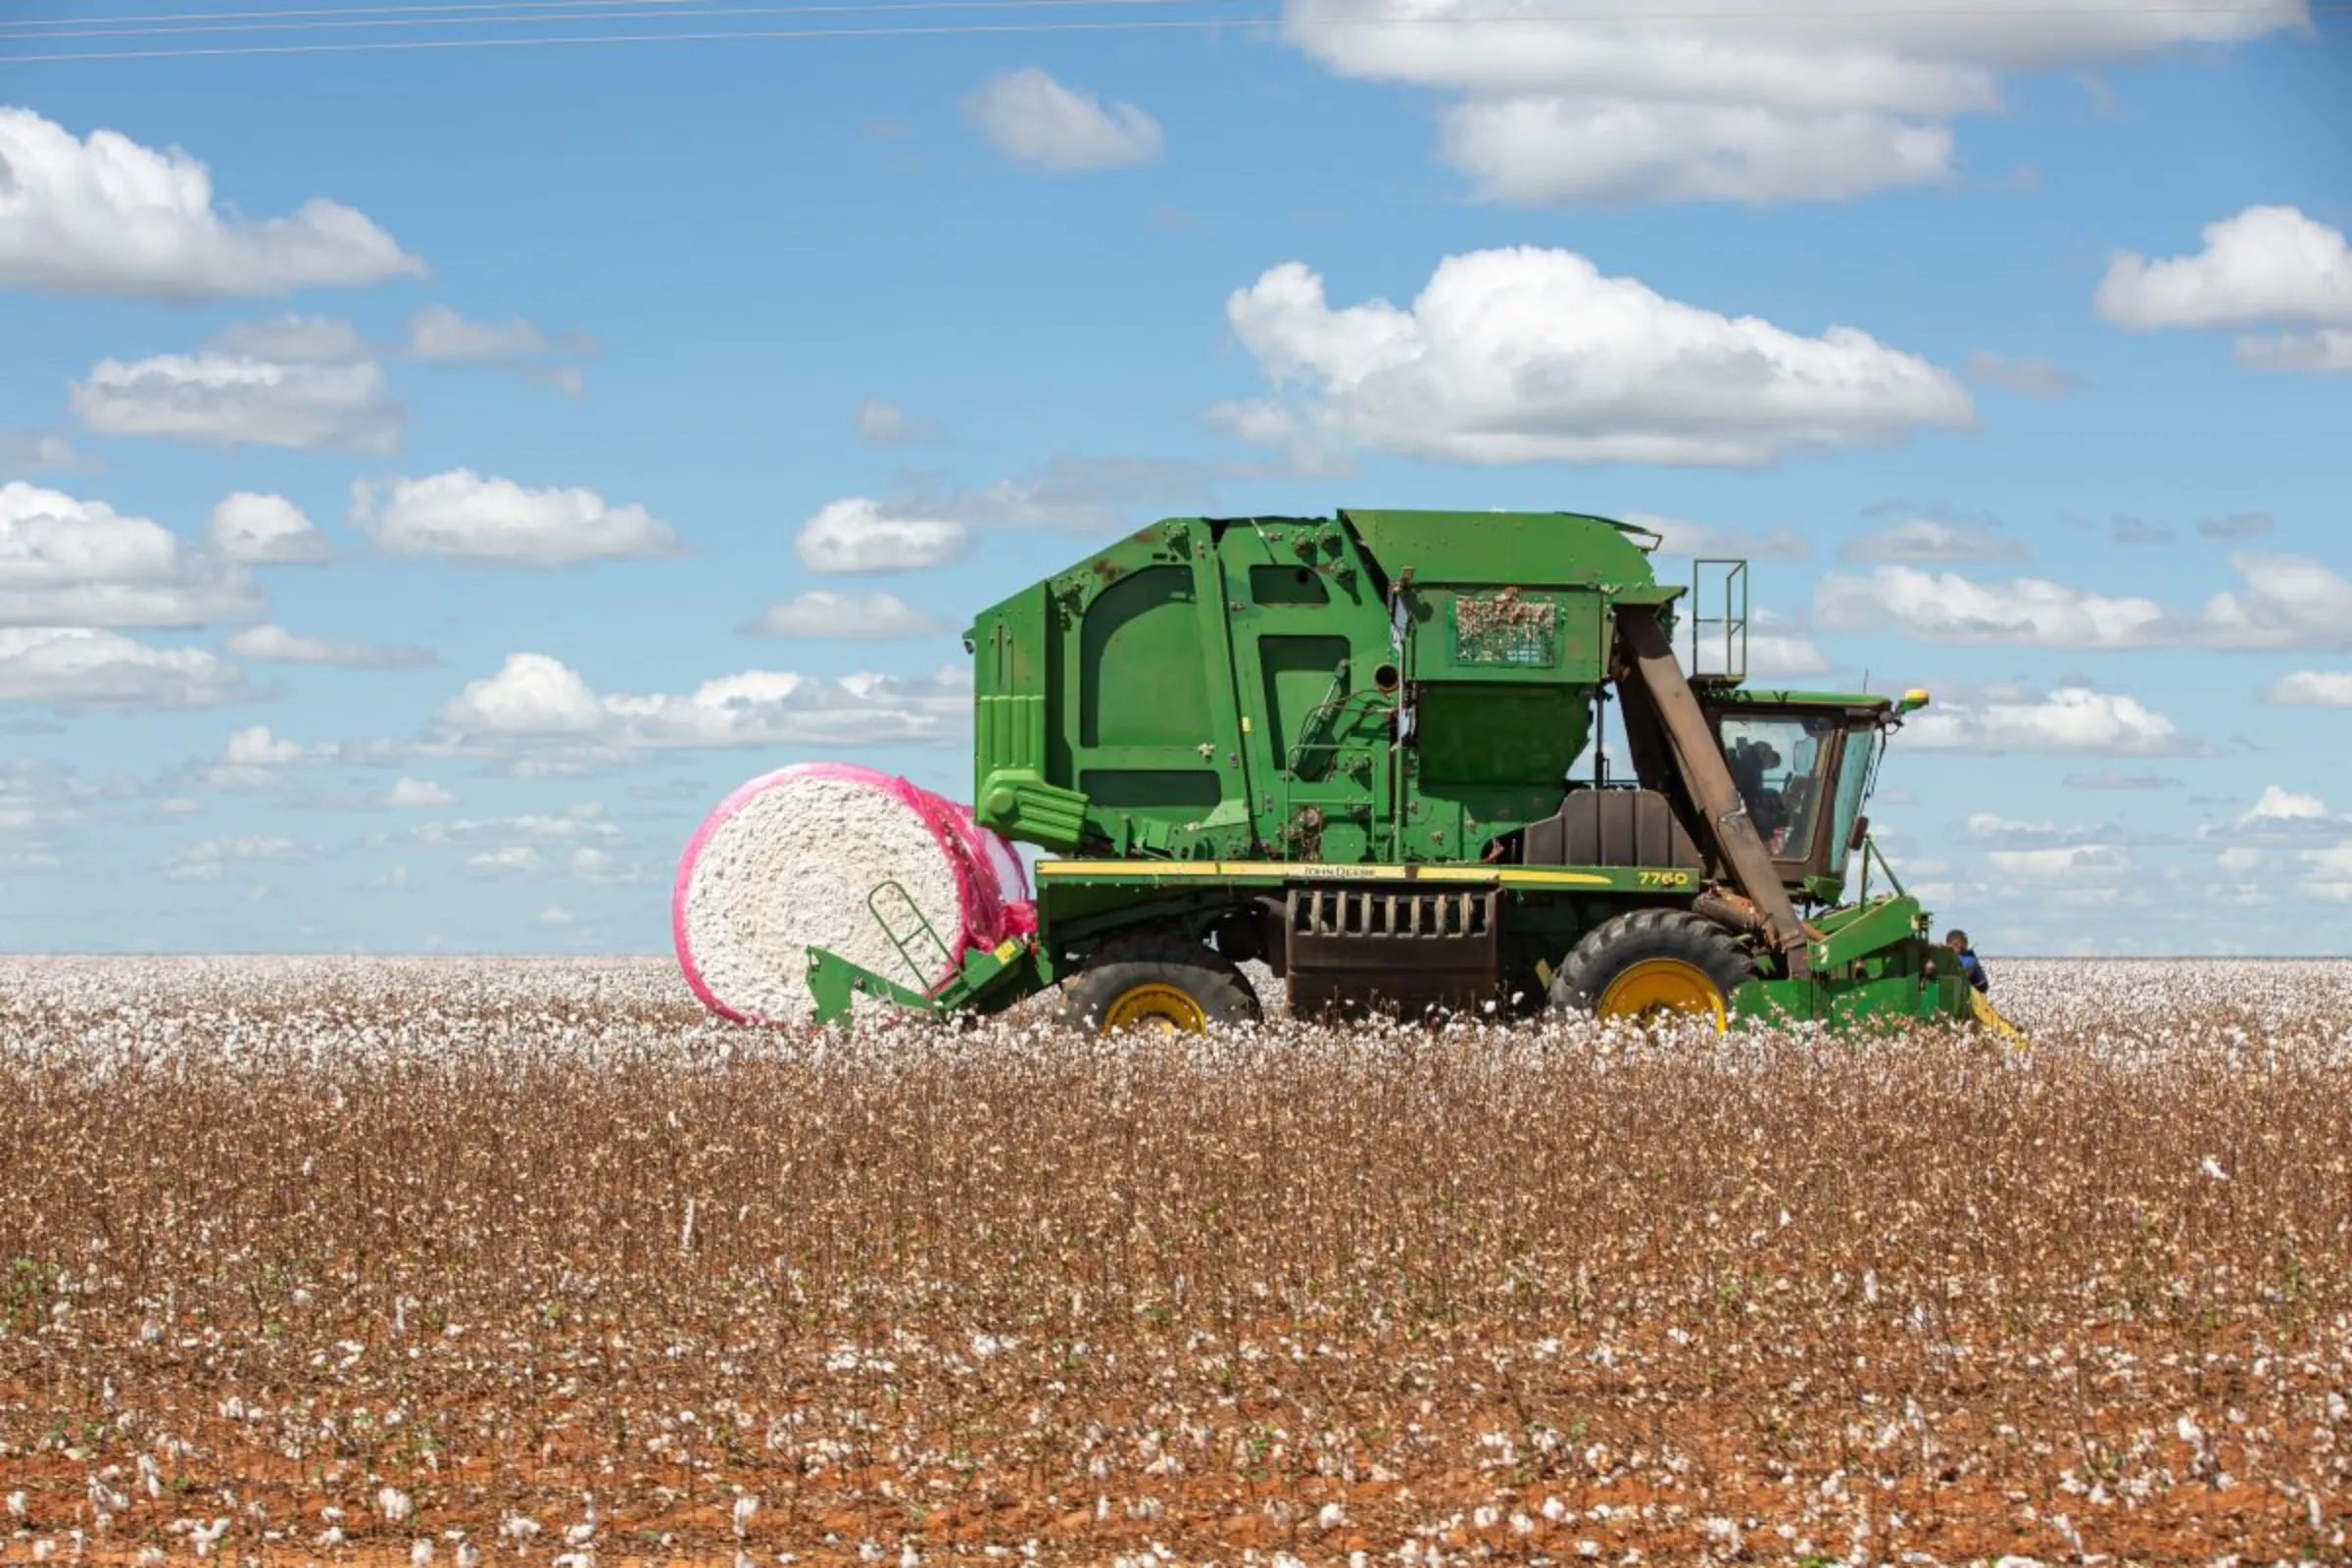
<point x="993" y="896"/>
<point x="1012" y="910"/>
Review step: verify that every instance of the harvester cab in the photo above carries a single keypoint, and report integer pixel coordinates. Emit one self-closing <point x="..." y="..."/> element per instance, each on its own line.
<point x="1345" y="747"/>
<point x="1804" y="763"/>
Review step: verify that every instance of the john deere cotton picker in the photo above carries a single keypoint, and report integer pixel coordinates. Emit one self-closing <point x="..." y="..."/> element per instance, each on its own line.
<point x="1343" y="746"/>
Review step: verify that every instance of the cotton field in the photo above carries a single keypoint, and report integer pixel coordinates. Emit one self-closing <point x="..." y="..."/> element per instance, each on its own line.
<point x="469" y="1262"/>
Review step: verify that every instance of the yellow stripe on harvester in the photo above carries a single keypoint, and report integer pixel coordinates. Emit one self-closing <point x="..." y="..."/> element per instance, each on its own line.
<point x="1991" y="1017"/>
<point x="1509" y="876"/>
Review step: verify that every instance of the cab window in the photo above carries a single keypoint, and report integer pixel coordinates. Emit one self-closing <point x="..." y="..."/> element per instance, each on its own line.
<point x="1777" y="764"/>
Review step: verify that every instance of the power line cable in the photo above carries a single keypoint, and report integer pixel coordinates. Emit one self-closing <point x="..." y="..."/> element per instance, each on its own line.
<point x="466" y="12"/>
<point x="2001" y="14"/>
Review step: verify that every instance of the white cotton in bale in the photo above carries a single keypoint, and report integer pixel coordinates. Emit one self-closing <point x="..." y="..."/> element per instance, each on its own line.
<point x="789" y="862"/>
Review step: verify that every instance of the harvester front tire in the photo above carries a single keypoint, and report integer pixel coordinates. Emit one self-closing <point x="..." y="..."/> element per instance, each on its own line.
<point x="1648" y="962"/>
<point x="1159" y="982"/>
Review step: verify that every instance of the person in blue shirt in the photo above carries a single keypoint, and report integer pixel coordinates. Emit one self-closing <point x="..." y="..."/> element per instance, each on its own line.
<point x="1957" y="940"/>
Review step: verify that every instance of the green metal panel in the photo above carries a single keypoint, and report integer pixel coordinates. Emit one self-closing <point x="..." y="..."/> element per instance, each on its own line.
<point x="1138" y="664"/>
<point x="1500" y="735"/>
<point x="1535" y="550"/>
<point x="1210" y="688"/>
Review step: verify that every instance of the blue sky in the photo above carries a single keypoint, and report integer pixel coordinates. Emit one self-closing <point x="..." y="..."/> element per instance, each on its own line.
<point x="594" y="328"/>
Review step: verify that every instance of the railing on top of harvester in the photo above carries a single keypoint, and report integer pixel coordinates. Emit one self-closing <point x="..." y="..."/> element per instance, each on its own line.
<point x="1732" y="582"/>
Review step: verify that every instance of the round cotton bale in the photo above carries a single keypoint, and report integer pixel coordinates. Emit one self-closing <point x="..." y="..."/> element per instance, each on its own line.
<point x="788" y="861"/>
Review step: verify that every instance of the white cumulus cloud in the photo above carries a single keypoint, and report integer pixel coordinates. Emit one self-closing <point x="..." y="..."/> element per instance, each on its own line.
<point x="2060" y="862"/>
<point x="821" y="613"/>
<point x="255" y="755"/>
<point x="439" y="334"/>
<point x="462" y="515"/>
<point x="257" y="529"/>
<point x="1619" y="102"/>
<point x="273" y="644"/>
<point x="1529" y="355"/>
<point x="2311" y="688"/>
<point x="290" y="340"/>
<point x="106" y="215"/>
<point x="536" y="701"/>
<point x="66" y="562"/>
<point x="236" y="400"/>
<point x="1697" y="539"/>
<point x="1034" y="119"/>
<point x="931" y="527"/>
<point x="2267" y="266"/>
<point x="533" y="696"/>
<point x="256" y="746"/>
<point x="74" y="667"/>
<point x="512" y="859"/>
<point x="2330" y="873"/>
<point x="418" y="792"/>
<point x="2287" y="601"/>
<point x="857" y="536"/>
<point x="2281" y="804"/>
<point x="205" y="861"/>
<point x="1783" y="654"/>
<point x="2068" y="719"/>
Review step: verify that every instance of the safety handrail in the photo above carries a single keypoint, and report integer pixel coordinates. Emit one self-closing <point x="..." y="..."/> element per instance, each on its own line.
<point x="922" y="924"/>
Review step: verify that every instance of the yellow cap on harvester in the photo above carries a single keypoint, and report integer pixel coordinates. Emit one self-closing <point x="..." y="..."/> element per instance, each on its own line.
<point x="1913" y="701"/>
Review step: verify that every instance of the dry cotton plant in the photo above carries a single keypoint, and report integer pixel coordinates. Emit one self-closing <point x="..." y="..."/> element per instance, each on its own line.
<point x="450" y="1263"/>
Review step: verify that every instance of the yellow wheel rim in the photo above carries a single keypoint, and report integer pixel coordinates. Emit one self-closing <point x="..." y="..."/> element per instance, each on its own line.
<point x="1656" y="986"/>
<point x="1162" y="1008"/>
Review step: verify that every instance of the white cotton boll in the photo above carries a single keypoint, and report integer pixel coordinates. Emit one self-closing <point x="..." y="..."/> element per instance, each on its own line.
<point x="787" y="864"/>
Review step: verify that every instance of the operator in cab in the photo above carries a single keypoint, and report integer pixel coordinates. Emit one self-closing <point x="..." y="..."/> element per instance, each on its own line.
<point x="1751" y="761"/>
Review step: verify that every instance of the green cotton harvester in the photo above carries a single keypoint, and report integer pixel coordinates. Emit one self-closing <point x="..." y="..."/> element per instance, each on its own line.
<point x="1368" y="751"/>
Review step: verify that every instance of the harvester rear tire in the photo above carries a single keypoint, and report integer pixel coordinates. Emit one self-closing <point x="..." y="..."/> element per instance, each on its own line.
<point x="1647" y="961"/>
<point x="1159" y="980"/>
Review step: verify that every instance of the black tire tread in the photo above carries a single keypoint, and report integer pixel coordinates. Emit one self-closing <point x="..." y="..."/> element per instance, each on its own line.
<point x="1166" y="957"/>
<point x="1639" y="934"/>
